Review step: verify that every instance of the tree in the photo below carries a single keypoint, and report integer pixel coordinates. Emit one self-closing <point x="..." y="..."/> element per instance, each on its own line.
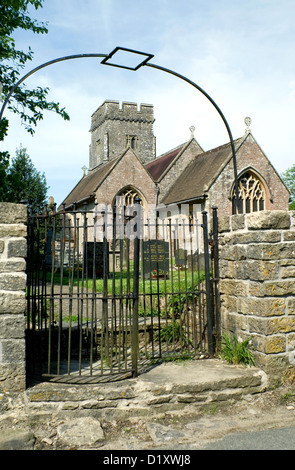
<point x="25" y="183"/>
<point x="28" y="104"/>
<point x="289" y="179"/>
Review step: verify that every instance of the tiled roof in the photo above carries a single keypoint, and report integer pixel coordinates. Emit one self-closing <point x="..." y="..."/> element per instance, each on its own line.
<point x="199" y="174"/>
<point x="157" y="167"/>
<point x="86" y="187"/>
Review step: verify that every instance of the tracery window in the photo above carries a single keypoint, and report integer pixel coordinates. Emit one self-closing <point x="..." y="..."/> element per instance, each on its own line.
<point x="251" y="194"/>
<point x="127" y="197"/>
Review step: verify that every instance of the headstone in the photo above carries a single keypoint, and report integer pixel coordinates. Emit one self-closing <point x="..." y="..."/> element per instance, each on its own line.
<point x="155" y="257"/>
<point x="89" y="257"/>
<point x="180" y="257"/>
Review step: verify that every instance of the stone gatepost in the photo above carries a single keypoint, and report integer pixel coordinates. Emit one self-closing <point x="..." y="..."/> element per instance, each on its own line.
<point x="13" y="249"/>
<point x="257" y="285"/>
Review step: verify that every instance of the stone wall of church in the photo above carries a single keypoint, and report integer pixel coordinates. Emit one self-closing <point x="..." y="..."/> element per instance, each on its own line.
<point x="112" y="126"/>
<point x="257" y="285"/>
<point x="127" y="172"/>
<point x="249" y="156"/>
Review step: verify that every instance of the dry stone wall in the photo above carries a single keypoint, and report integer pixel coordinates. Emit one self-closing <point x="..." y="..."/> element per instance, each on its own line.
<point x="13" y="250"/>
<point x="257" y="284"/>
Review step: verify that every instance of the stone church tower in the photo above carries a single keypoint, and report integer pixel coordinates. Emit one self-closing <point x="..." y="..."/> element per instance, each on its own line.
<point x="113" y="129"/>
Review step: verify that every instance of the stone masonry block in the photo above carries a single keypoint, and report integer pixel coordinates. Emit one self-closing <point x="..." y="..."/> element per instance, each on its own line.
<point x="257" y="270"/>
<point x="232" y="287"/>
<point x="11" y="213"/>
<point x="266" y="220"/>
<point x="269" y="344"/>
<point x="17" y="248"/>
<point x="12" y="326"/>
<point x="12" y="351"/>
<point x="272" y="288"/>
<point x="262" y="307"/>
<point x="224" y="224"/>
<point x="12" y="266"/>
<point x="12" y="303"/>
<point x="13" y="282"/>
<point x="238" y="222"/>
<point x="271" y="326"/>
<point x="13" y="230"/>
<point x="290" y="301"/>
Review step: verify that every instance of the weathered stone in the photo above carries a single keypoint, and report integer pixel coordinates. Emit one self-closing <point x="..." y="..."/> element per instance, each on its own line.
<point x="288" y="272"/>
<point x="12" y="302"/>
<point x="12" y="265"/>
<point x="262" y="307"/>
<point x="11" y="213"/>
<point x="233" y="287"/>
<point x="12" y="351"/>
<point x="269" y="344"/>
<point x="13" y="282"/>
<point x="13" y="230"/>
<point x="2" y="245"/>
<point x="224" y="224"/>
<point x="272" y="236"/>
<point x="268" y="220"/>
<point x="17" y="248"/>
<point x="234" y="253"/>
<point x="238" y="222"/>
<point x="290" y="302"/>
<point x="12" y="326"/>
<point x="256" y="270"/>
<point x="289" y="236"/>
<point x="15" y="439"/>
<point x="271" y="288"/>
<point x="81" y="432"/>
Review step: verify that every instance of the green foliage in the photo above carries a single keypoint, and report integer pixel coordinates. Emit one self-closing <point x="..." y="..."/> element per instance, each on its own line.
<point x="235" y="351"/>
<point x="289" y="179"/>
<point x="24" y="182"/>
<point x="28" y="104"/>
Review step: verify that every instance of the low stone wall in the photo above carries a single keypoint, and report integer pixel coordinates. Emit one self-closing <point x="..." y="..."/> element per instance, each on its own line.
<point x="257" y="285"/>
<point x="13" y="249"/>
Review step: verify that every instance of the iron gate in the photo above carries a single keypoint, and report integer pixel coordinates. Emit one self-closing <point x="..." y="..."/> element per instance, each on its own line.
<point x="109" y="292"/>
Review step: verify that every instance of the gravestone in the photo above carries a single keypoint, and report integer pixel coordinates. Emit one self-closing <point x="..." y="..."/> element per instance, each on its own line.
<point x="180" y="257"/>
<point x="90" y="256"/>
<point x="155" y="257"/>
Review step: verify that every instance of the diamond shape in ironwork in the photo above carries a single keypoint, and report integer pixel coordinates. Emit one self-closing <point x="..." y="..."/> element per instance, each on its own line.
<point x="127" y="58"/>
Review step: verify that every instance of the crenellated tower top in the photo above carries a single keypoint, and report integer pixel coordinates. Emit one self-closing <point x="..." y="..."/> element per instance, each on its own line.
<point x="115" y="128"/>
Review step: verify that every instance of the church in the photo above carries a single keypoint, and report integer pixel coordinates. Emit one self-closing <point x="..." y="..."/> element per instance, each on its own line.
<point x="123" y="164"/>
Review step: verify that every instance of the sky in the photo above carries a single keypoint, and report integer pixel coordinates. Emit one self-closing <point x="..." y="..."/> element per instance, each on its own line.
<point x="240" y="53"/>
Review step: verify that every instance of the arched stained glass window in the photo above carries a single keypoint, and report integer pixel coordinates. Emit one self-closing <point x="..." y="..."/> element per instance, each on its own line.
<point x="251" y="194"/>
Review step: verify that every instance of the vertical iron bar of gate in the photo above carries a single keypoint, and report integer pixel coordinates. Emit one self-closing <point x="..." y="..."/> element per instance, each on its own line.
<point x="137" y="229"/>
<point x="105" y="322"/>
<point x="208" y="286"/>
<point x="216" y="274"/>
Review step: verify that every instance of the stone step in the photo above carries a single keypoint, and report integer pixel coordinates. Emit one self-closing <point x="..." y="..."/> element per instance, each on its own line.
<point x="166" y="387"/>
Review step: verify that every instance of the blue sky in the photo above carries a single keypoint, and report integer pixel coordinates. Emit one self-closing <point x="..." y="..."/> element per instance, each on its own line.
<point x="240" y="53"/>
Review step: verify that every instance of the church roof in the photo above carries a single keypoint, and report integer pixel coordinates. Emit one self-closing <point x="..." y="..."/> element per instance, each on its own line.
<point x="157" y="167"/>
<point x="86" y="187"/>
<point x="199" y="174"/>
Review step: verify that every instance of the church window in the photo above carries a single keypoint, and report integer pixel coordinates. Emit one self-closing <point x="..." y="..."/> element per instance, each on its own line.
<point x="127" y="196"/>
<point x="132" y="141"/>
<point x="251" y="194"/>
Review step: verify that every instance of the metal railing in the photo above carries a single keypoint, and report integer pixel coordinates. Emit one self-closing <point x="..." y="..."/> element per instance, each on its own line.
<point x="109" y="294"/>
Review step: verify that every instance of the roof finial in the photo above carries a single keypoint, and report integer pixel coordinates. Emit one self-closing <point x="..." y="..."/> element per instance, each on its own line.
<point x="192" y="129"/>
<point x="84" y="168"/>
<point x="247" y="121"/>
